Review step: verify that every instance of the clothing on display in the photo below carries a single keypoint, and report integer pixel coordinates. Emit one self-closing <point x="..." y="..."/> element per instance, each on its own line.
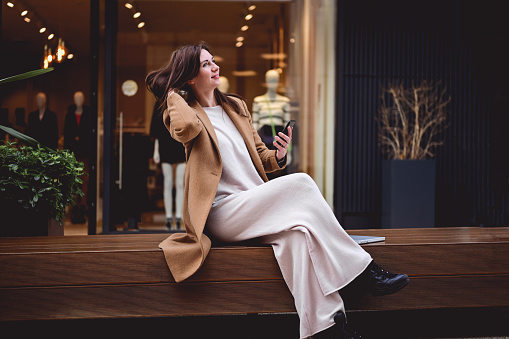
<point x="44" y="130"/>
<point x="270" y="114"/>
<point x="42" y="123"/>
<point x="171" y="154"/>
<point x="77" y="131"/>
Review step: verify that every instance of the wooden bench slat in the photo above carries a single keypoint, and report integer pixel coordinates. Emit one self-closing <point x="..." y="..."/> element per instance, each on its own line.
<point x="236" y="264"/>
<point x="145" y="300"/>
<point x="126" y="275"/>
<point x="156" y="300"/>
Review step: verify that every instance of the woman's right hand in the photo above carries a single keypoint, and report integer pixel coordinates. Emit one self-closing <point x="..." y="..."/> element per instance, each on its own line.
<point x="185" y="124"/>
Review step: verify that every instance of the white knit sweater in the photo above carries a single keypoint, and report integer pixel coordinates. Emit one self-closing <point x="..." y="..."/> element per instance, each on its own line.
<point x="239" y="173"/>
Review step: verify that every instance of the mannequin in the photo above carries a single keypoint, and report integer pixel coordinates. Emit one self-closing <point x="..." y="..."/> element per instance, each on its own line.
<point x="42" y="123"/>
<point x="271" y="110"/>
<point x="225" y="84"/>
<point x="77" y="127"/>
<point x="77" y="139"/>
<point x="171" y="155"/>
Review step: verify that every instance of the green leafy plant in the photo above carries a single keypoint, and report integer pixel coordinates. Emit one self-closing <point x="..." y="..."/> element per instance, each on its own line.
<point x="40" y="178"/>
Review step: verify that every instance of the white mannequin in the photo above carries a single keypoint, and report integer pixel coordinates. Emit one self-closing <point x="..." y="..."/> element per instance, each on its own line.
<point x="225" y="84"/>
<point x="79" y="99"/>
<point x="41" y="100"/>
<point x="168" y="169"/>
<point x="271" y="108"/>
<point x="278" y="104"/>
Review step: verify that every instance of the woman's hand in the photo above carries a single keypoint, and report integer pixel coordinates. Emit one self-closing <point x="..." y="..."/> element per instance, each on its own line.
<point x="282" y="142"/>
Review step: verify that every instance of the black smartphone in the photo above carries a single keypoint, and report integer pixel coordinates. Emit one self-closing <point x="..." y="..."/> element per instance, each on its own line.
<point x="291" y="124"/>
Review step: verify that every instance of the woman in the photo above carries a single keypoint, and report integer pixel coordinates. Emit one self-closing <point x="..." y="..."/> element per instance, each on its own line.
<point x="227" y="191"/>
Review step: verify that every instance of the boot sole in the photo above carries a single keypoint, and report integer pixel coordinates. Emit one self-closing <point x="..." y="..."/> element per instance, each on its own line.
<point x="393" y="290"/>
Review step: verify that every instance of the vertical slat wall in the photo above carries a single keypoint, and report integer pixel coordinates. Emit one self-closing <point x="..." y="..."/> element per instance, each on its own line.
<point x="386" y="41"/>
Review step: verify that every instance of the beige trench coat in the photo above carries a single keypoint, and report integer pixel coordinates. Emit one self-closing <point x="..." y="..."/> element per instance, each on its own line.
<point x="186" y="252"/>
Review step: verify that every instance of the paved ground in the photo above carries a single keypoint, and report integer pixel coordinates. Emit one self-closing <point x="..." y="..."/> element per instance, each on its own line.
<point x="480" y="323"/>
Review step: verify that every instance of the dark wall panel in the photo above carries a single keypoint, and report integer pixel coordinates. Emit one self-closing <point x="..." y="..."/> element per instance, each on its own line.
<point x="389" y="41"/>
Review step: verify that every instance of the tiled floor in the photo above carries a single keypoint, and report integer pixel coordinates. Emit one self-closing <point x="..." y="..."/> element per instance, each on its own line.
<point x="152" y="221"/>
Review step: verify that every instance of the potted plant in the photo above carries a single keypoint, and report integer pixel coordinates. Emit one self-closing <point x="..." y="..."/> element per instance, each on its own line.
<point x="36" y="183"/>
<point x="410" y="123"/>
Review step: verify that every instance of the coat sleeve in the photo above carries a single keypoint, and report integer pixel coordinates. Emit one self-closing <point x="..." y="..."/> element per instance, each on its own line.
<point x="181" y="120"/>
<point x="267" y="156"/>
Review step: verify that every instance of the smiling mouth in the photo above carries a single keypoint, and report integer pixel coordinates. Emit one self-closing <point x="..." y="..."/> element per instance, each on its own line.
<point x="215" y="76"/>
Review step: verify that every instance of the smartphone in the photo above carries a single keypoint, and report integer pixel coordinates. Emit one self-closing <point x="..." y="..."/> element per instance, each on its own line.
<point x="291" y="124"/>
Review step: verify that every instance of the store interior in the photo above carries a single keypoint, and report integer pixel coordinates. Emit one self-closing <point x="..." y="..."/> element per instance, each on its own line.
<point x="247" y="39"/>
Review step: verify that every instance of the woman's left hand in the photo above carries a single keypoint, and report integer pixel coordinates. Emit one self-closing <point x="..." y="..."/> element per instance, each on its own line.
<point x="282" y="142"/>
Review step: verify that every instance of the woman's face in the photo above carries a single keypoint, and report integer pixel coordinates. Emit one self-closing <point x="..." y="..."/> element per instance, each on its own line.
<point x="208" y="76"/>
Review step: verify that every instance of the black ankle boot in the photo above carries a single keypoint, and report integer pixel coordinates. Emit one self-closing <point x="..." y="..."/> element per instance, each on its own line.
<point x="382" y="282"/>
<point x="169" y="223"/>
<point x="178" y="223"/>
<point x="340" y="330"/>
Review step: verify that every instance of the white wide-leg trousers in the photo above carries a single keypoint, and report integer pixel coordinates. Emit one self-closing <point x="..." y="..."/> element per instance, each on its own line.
<point x="316" y="256"/>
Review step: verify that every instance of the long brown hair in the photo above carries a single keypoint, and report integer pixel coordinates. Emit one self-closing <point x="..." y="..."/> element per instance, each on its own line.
<point x="184" y="65"/>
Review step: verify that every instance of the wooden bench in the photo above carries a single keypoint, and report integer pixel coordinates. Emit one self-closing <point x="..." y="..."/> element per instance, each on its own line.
<point x="125" y="276"/>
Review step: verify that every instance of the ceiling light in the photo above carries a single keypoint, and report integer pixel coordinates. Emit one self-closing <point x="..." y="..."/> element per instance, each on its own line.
<point x="252" y="7"/>
<point x="70" y="56"/>
<point x="273" y="56"/>
<point x="141" y="24"/>
<point x="10" y="4"/>
<point x="27" y="19"/>
<point x="249" y="16"/>
<point x="42" y="30"/>
<point x="25" y="12"/>
<point x="128" y="5"/>
<point x="136" y="15"/>
<point x="239" y="44"/>
<point x="246" y="73"/>
<point x="51" y="36"/>
<point x="244" y="28"/>
<point x="240" y="38"/>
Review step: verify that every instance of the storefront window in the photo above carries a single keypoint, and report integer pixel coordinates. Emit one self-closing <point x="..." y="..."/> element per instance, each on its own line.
<point x="51" y="33"/>
<point x="278" y="55"/>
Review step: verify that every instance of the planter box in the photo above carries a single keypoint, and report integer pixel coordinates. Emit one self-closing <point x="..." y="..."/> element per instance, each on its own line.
<point x="408" y="193"/>
<point x="15" y="221"/>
